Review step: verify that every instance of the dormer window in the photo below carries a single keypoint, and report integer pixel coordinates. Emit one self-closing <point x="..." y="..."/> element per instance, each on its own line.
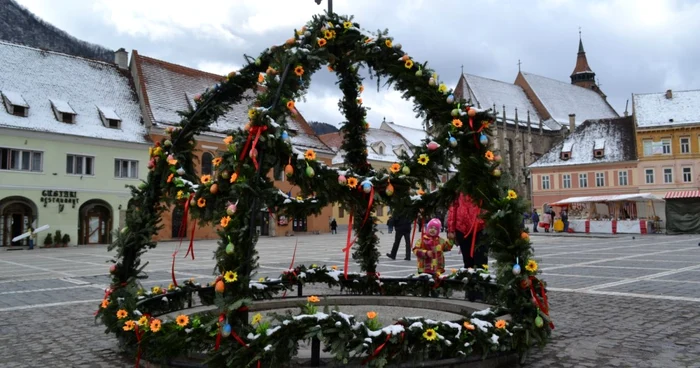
<point x="378" y="147"/>
<point x="599" y="148"/>
<point x="381" y="150"/>
<point x="109" y="118"/>
<point x="63" y="111"/>
<point x="15" y="103"/>
<point x="565" y="155"/>
<point x="566" y="150"/>
<point x="399" y="149"/>
<point x="599" y="153"/>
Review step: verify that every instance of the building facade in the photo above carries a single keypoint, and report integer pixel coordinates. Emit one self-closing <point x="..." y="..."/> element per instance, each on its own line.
<point x="71" y="139"/>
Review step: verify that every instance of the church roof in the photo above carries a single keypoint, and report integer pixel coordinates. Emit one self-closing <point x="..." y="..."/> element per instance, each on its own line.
<point x="653" y="110"/>
<point x="561" y="99"/>
<point x="614" y="136"/>
<point x="169" y="88"/>
<point x="485" y="92"/>
<point x="581" y="61"/>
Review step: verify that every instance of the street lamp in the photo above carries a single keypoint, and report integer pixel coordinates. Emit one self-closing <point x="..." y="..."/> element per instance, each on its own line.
<point x="330" y="5"/>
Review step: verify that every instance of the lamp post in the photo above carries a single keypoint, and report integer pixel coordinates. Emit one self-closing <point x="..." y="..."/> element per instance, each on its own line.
<point x="330" y="5"/>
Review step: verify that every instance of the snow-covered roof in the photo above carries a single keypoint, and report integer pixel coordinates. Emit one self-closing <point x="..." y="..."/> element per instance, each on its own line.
<point x="171" y="88"/>
<point x="561" y="99"/>
<point x="40" y="76"/>
<point x="108" y="113"/>
<point x="392" y="141"/>
<point x="15" y="98"/>
<point x="412" y="136"/>
<point x="485" y="92"/>
<point x="655" y="110"/>
<point x="62" y="106"/>
<point x="615" y="135"/>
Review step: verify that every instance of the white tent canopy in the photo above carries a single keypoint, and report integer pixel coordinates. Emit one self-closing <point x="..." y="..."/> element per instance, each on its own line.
<point x="610" y="198"/>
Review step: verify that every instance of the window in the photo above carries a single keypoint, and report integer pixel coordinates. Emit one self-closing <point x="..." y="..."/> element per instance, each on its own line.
<point x="622" y="178"/>
<point x="279" y="172"/>
<point x="19" y="111"/>
<point x="341" y="212"/>
<point x="668" y="175"/>
<point x="126" y="168"/>
<point x="685" y="145"/>
<point x="566" y="181"/>
<point x="666" y="146"/>
<point x="600" y="179"/>
<point x="687" y="175"/>
<point x="565" y="155"/>
<point x="109" y="117"/>
<point x="648" y="147"/>
<point x="380" y="210"/>
<point x="207" y="165"/>
<point x="649" y="176"/>
<point x="583" y="180"/>
<point x="20" y="160"/>
<point x="598" y="153"/>
<point x="545" y="182"/>
<point x="80" y="165"/>
<point x="381" y="151"/>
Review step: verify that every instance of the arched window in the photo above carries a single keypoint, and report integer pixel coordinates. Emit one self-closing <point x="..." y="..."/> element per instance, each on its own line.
<point x="207" y="163"/>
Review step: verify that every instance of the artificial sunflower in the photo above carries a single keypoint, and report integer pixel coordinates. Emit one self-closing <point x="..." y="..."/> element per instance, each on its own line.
<point x="423" y="159"/>
<point x="170" y="177"/>
<point x="334" y="267"/>
<point x="256" y="319"/>
<point x="442" y="88"/>
<point x="205" y="179"/>
<point x="217" y="161"/>
<point x="224" y="221"/>
<point x="228" y="140"/>
<point x="143" y="321"/>
<point x="489" y="155"/>
<point x="468" y="326"/>
<point x="310" y="154"/>
<point x="512" y="194"/>
<point x="352" y="182"/>
<point x="121" y="314"/>
<point x="395" y="167"/>
<point x="332" y="34"/>
<point x="299" y="70"/>
<point x="201" y="202"/>
<point x="290" y="105"/>
<point x="171" y="286"/>
<point x="155" y="325"/>
<point x="313" y="299"/>
<point x="500" y="324"/>
<point x="180" y="194"/>
<point x="262" y="279"/>
<point x="182" y="320"/>
<point x="371" y="315"/>
<point x="408" y="64"/>
<point x="157" y="151"/>
<point x="457" y="123"/>
<point x="252" y="113"/>
<point x="129" y="325"/>
<point x="531" y="266"/>
<point x="231" y="276"/>
<point x="347" y="24"/>
<point x="485" y="266"/>
<point x="328" y="35"/>
<point x="321" y="42"/>
<point x="388" y="43"/>
<point x="104" y="304"/>
<point x="234" y="177"/>
<point x="430" y="334"/>
<point x="156" y="290"/>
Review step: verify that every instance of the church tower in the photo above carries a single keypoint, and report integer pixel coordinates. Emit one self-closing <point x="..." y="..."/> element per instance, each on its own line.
<point x="583" y="76"/>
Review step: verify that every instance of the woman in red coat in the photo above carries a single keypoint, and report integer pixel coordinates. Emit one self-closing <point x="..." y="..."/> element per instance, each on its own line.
<point x="466" y="228"/>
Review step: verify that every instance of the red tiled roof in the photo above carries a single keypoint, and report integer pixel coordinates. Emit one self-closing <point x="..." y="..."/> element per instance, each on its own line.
<point x="683" y="194"/>
<point x="333" y="140"/>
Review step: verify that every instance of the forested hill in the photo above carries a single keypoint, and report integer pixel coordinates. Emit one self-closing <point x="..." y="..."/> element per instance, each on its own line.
<point x="322" y="128"/>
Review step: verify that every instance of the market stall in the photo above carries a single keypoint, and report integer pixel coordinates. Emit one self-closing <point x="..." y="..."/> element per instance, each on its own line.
<point x="613" y="214"/>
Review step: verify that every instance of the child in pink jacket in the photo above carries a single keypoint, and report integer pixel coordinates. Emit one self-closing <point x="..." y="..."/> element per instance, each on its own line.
<point x="430" y="249"/>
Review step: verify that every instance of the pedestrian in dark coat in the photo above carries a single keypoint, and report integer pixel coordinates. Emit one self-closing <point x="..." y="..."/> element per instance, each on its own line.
<point x="402" y="226"/>
<point x="535" y="220"/>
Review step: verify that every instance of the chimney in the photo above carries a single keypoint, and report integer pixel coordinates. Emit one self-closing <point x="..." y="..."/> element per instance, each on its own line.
<point x="572" y="122"/>
<point x="669" y="94"/>
<point x="121" y="58"/>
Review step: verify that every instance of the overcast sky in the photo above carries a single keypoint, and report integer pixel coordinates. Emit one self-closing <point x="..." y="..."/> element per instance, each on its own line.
<point x="633" y="46"/>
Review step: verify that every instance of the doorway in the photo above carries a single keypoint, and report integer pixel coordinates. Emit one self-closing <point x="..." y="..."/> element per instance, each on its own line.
<point x="16" y="215"/>
<point x="95" y="223"/>
<point x="262" y="223"/>
<point x="299" y="224"/>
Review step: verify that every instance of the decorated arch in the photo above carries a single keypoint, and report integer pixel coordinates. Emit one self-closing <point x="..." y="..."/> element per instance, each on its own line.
<point x="239" y="186"/>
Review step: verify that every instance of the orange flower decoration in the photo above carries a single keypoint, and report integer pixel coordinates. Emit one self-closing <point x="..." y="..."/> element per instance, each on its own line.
<point x="129" y="325"/>
<point x="261" y="78"/>
<point x="217" y="161"/>
<point x="182" y="320"/>
<point x="456" y="123"/>
<point x="359" y="101"/>
<point x="395" y="167"/>
<point x="121" y="314"/>
<point x="330" y="68"/>
<point x="322" y="42"/>
<point x="234" y="177"/>
<point x="205" y="179"/>
<point x="290" y="105"/>
<point x="352" y="182"/>
<point x="313" y="299"/>
<point x="201" y="202"/>
<point x="228" y="140"/>
<point x="421" y="192"/>
<point x="525" y="235"/>
<point x="469" y="326"/>
<point x="310" y="154"/>
<point x="485" y="124"/>
<point x="500" y="324"/>
<point x="172" y="162"/>
<point x="489" y="155"/>
<point x="155" y="325"/>
<point x="371" y="315"/>
<point x="105" y="303"/>
<point x="299" y="71"/>
<point x="224" y="221"/>
<point x="362" y="88"/>
<point x="170" y="177"/>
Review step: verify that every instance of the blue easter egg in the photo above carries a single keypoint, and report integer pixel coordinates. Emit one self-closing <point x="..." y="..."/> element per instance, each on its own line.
<point x="450" y="99"/>
<point x="453" y="141"/>
<point x="284" y="136"/>
<point x="367" y="187"/>
<point x="516" y="269"/>
<point x="225" y="330"/>
<point x="483" y="139"/>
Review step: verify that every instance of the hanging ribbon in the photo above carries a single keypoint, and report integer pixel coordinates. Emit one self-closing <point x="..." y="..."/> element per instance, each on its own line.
<point x="254" y="131"/>
<point x="138" y="342"/>
<point x="291" y="265"/>
<point x="471" y="126"/>
<point x="377" y="350"/>
<point x="182" y="231"/>
<point x="190" y="249"/>
<point x="240" y="341"/>
<point x="369" y="206"/>
<point x="348" y="245"/>
<point x="222" y="317"/>
<point x="544" y="307"/>
<point x="413" y="234"/>
<point x="475" y="230"/>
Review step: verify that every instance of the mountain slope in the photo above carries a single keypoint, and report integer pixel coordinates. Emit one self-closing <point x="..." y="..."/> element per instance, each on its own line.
<point x="322" y="128"/>
<point x="19" y="25"/>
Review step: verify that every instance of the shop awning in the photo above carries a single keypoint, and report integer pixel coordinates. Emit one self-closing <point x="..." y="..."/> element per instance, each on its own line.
<point x="683" y="194"/>
<point x="609" y="198"/>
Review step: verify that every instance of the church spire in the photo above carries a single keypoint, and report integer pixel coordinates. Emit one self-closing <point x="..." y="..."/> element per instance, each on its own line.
<point x="582" y="75"/>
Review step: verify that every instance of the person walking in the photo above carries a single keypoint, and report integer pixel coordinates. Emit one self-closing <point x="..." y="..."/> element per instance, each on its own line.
<point x="565" y="219"/>
<point x="535" y="220"/>
<point x="402" y="227"/>
<point x="334" y="226"/>
<point x="31" y="237"/>
<point x="465" y="226"/>
<point x="390" y="224"/>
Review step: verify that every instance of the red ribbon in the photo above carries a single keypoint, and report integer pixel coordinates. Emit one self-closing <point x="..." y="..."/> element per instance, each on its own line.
<point x="474" y="231"/>
<point x="291" y="265"/>
<point x="190" y="249"/>
<point x="471" y="126"/>
<point x="222" y="317"/>
<point x="544" y="307"/>
<point x="348" y="245"/>
<point x="254" y="130"/>
<point x="138" y="341"/>
<point x="181" y="234"/>
<point x="240" y="341"/>
<point x="377" y="350"/>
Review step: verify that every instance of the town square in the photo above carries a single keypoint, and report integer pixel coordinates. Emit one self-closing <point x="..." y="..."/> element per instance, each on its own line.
<point x="241" y="184"/>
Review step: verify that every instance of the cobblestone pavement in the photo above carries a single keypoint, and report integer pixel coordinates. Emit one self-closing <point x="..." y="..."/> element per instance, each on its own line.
<point x="616" y="302"/>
